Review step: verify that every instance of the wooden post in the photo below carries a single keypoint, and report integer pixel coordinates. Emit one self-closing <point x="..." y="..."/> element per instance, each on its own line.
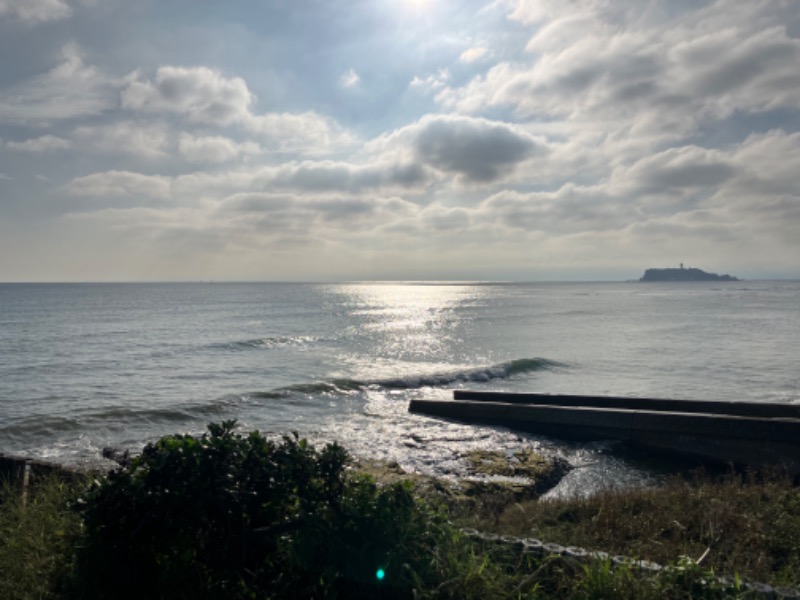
<point x="26" y="478"/>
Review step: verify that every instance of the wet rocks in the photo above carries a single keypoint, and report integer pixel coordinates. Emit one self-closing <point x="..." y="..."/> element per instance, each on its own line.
<point x="122" y="457"/>
<point x="493" y="479"/>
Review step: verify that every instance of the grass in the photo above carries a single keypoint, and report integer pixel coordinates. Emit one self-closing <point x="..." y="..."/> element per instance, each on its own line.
<point x="38" y="535"/>
<point x="742" y="525"/>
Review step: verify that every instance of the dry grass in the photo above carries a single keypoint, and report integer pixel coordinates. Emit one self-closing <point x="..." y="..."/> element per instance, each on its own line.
<point x="749" y="524"/>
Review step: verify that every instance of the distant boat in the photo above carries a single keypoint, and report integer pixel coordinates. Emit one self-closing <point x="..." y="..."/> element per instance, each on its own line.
<point x="682" y="274"/>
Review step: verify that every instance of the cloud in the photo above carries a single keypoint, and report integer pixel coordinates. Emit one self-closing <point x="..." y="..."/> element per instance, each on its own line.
<point x="306" y="132"/>
<point x="472" y="55"/>
<point x="71" y="89"/>
<point x="310" y="216"/>
<point x="636" y="66"/>
<point x="350" y="79"/>
<point x="476" y="150"/>
<point x="766" y="164"/>
<point x="702" y="203"/>
<point x="605" y="132"/>
<point x="431" y="83"/>
<point x="150" y="141"/>
<point x="330" y="176"/>
<point x="35" y="11"/>
<point x="467" y="150"/>
<point x="438" y="218"/>
<point x="729" y="71"/>
<point x="252" y="222"/>
<point x="214" y="149"/>
<point x="319" y="179"/>
<point x="113" y="184"/>
<point x="200" y="94"/>
<point x="205" y="96"/>
<point x="253" y="233"/>
<point x="409" y="160"/>
<point x="45" y="143"/>
<point x="714" y="201"/>
<point x="567" y="210"/>
<point x="683" y="168"/>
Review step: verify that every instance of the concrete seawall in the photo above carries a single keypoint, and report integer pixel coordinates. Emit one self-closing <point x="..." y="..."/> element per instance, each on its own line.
<point x="718" y="438"/>
<point x="18" y="470"/>
<point x="718" y="407"/>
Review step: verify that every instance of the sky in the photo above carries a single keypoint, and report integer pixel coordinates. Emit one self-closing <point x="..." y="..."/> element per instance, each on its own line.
<point x="311" y="140"/>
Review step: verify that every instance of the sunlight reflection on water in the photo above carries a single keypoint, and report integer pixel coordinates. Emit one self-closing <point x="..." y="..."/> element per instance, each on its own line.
<point x="84" y="366"/>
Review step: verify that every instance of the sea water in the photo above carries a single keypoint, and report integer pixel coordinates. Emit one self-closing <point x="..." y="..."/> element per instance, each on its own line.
<point x="84" y="366"/>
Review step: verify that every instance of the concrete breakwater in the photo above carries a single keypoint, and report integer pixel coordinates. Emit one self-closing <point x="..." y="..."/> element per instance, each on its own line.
<point x="22" y="471"/>
<point x="746" y="434"/>
<point x="719" y="407"/>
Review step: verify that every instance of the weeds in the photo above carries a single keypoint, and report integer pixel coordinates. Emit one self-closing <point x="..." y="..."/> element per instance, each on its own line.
<point x="232" y="516"/>
<point x="744" y="524"/>
<point x="37" y="539"/>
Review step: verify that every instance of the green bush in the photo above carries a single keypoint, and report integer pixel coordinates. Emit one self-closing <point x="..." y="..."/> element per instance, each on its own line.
<point x="231" y="516"/>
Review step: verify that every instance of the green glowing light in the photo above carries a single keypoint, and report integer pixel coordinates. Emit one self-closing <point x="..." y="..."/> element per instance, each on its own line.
<point x="380" y="574"/>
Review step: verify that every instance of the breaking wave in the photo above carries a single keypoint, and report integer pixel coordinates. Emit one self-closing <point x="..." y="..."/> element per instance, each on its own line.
<point x="298" y="395"/>
<point x="411" y="382"/>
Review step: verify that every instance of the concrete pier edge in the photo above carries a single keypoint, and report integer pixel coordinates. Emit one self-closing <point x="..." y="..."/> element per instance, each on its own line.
<point x="736" y="439"/>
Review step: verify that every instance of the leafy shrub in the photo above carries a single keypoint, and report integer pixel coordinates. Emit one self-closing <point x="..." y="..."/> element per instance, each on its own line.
<point x="226" y="515"/>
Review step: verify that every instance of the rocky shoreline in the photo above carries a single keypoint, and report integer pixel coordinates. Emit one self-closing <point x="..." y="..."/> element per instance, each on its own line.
<point x="494" y="479"/>
<point x="505" y="477"/>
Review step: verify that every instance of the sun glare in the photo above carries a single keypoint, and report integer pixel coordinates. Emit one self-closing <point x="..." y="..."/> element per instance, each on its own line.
<point x="419" y="12"/>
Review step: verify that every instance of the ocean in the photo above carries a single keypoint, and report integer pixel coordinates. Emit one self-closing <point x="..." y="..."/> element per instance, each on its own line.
<point x="84" y="366"/>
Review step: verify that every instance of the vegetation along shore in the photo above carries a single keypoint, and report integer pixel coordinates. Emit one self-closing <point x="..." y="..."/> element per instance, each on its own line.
<point x="235" y="515"/>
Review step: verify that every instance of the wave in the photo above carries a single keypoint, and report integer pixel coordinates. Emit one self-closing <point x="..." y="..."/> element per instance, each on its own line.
<point x="411" y="382"/>
<point x="42" y="425"/>
<point x="477" y="375"/>
<point x="49" y="426"/>
<point x="116" y="417"/>
<point x="265" y="343"/>
<point x="293" y="395"/>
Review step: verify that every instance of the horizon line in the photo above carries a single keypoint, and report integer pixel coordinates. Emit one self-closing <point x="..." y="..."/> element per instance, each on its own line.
<point x="362" y="281"/>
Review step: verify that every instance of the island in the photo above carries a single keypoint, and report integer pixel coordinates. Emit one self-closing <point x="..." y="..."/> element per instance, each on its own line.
<point x="683" y="274"/>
